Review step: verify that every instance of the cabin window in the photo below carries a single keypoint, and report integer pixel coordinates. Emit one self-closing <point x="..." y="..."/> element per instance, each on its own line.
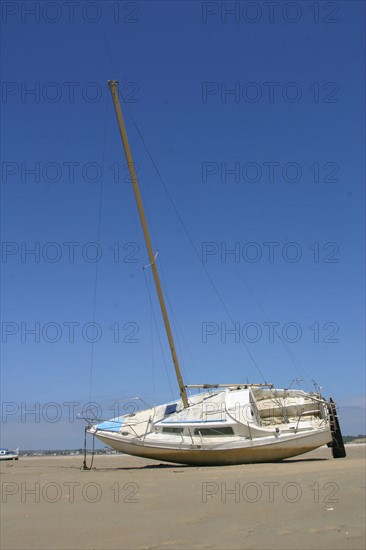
<point x="172" y="430"/>
<point x="214" y="431"/>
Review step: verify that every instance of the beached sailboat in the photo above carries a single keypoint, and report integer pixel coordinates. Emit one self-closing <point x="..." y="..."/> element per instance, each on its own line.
<point x="225" y="423"/>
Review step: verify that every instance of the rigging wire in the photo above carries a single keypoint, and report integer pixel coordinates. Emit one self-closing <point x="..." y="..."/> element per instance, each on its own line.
<point x="177" y="327"/>
<point x="291" y="355"/>
<point x="158" y="333"/>
<point x="189" y="236"/>
<point x="172" y="318"/>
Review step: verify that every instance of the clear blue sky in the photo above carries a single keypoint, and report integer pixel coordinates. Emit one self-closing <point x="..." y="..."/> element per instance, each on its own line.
<point x="255" y="120"/>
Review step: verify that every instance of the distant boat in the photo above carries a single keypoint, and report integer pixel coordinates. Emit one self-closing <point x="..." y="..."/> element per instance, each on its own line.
<point x="5" y="454"/>
<point x="226" y="423"/>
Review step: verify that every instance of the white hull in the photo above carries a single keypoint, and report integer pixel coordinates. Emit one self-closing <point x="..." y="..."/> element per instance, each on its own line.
<point x="269" y="451"/>
<point x="227" y="427"/>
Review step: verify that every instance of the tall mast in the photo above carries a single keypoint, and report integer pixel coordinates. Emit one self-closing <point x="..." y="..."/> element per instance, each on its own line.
<point x="113" y="87"/>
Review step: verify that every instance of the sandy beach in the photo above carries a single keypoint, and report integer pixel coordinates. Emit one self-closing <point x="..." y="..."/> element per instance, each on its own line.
<point x="311" y="502"/>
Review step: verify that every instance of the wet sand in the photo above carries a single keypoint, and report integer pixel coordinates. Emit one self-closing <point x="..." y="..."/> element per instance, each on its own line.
<point x="311" y="502"/>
